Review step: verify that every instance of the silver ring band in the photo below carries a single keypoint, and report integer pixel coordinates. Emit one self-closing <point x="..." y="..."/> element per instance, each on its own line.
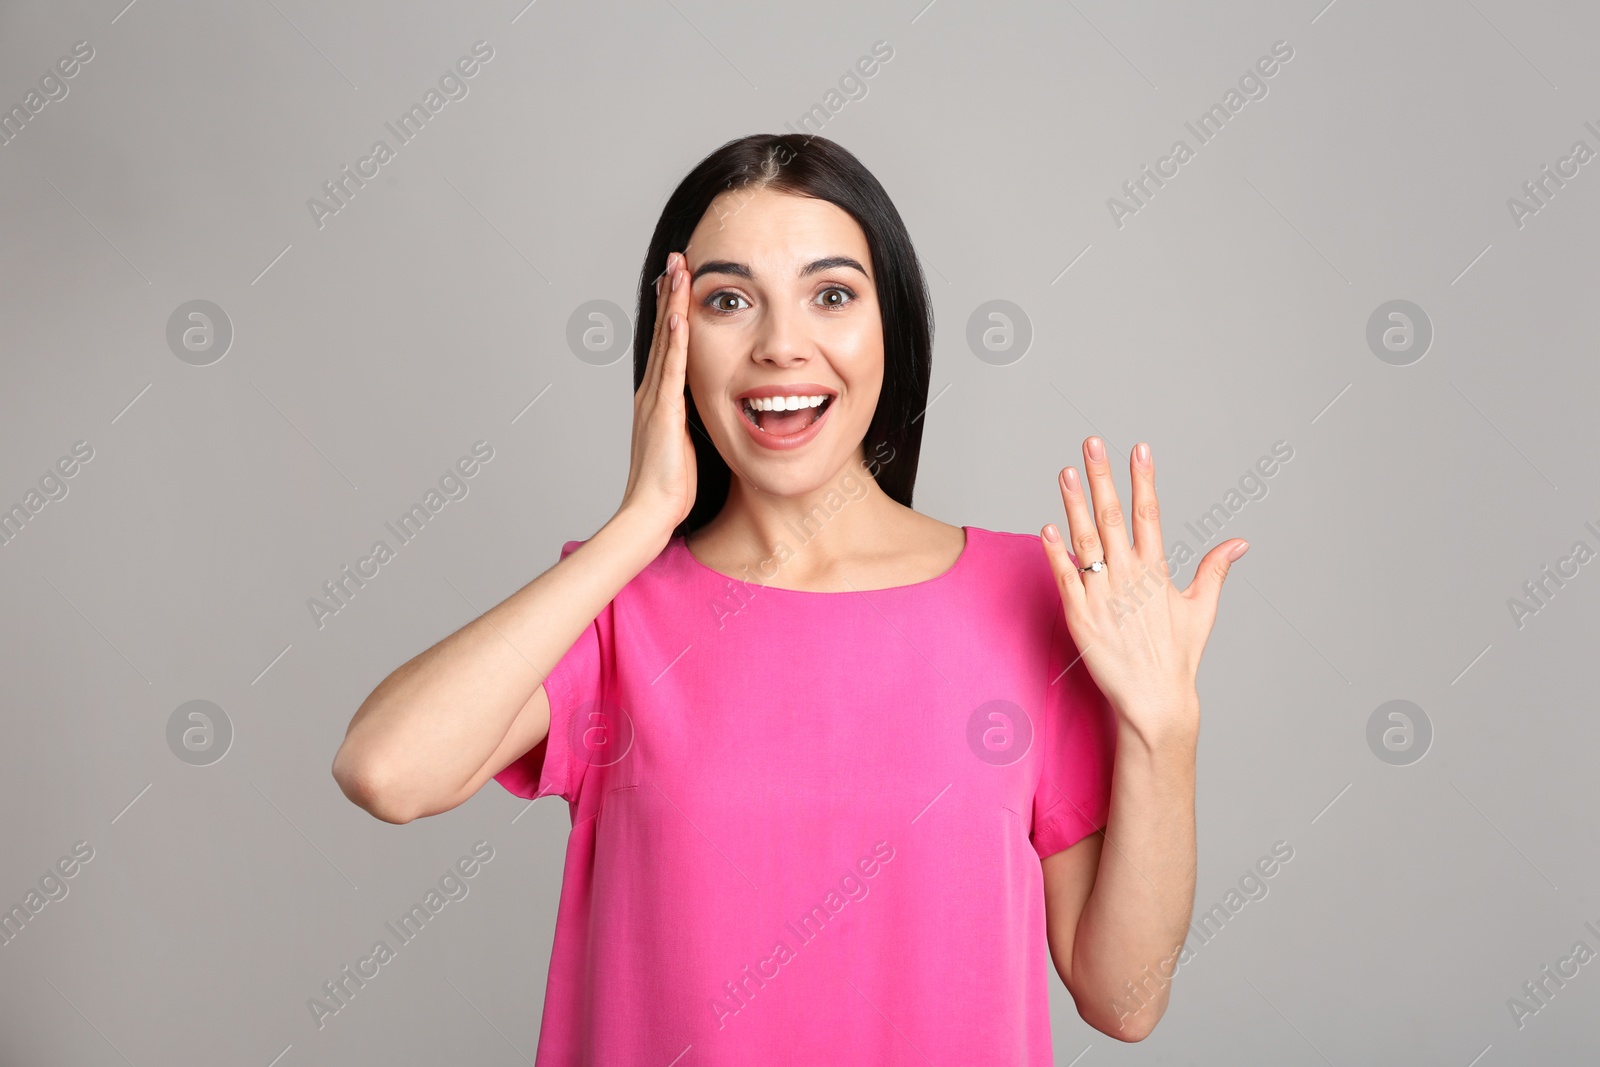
<point x="1097" y="566"/>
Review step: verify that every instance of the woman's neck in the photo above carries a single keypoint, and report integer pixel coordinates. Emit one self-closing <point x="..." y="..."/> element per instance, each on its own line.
<point x="846" y="533"/>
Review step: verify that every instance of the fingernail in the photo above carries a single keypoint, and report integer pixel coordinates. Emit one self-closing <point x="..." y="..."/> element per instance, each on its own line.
<point x="677" y="280"/>
<point x="1238" y="550"/>
<point x="1097" y="449"/>
<point x="1141" y="452"/>
<point x="1052" y="534"/>
<point x="672" y="321"/>
<point x="1070" y="476"/>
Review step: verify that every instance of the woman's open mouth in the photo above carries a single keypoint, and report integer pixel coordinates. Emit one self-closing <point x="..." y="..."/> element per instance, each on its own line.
<point x="785" y="420"/>
<point x="784" y="415"/>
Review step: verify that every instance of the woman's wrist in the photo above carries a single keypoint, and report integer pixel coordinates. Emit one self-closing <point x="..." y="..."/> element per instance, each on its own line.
<point x="638" y="531"/>
<point x="1171" y="727"/>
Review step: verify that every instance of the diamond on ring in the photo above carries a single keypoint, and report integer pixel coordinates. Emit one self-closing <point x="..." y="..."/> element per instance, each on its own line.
<point x="1097" y="566"/>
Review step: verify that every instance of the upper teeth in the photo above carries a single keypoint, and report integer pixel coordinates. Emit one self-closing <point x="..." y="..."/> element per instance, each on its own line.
<point x="783" y="403"/>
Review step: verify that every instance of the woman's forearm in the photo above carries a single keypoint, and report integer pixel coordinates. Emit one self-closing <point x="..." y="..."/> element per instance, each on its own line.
<point x="1125" y="945"/>
<point x="431" y="725"/>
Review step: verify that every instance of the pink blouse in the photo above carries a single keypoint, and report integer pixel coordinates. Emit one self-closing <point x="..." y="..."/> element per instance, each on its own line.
<point x="806" y="827"/>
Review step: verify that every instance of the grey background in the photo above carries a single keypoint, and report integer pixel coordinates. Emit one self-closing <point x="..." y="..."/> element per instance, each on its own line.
<point x="368" y="355"/>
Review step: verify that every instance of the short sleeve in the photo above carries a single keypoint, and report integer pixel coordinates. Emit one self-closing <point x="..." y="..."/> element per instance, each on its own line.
<point x="578" y="681"/>
<point x="1078" y="739"/>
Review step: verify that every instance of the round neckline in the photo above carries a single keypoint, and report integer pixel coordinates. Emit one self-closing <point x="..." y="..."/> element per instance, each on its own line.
<point x="966" y="550"/>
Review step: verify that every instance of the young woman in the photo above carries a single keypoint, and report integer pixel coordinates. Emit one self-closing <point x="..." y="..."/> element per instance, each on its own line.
<point x="839" y="772"/>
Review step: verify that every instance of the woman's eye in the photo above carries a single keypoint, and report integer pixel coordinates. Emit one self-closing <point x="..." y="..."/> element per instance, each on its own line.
<point x="726" y="303"/>
<point x="720" y="302"/>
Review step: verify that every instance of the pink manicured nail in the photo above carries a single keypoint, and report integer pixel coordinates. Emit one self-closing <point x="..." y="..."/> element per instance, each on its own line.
<point x="672" y="321"/>
<point x="1238" y="550"/>
<point x="1070" y="476"/>
<point x="1097" y="449"/>
<point x="1141" y="452"/>
<point x="1052" y="534"/>
<point x="677" y="280"/>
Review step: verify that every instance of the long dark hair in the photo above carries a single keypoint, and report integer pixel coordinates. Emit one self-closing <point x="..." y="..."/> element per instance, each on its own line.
<point x="819" y="168"/>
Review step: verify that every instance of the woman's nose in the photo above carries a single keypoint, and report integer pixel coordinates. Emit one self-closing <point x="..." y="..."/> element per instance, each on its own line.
<point x="782" y="340"/>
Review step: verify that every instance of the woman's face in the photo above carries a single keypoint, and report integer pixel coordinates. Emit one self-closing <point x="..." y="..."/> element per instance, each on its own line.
<point x="783" y="310"/>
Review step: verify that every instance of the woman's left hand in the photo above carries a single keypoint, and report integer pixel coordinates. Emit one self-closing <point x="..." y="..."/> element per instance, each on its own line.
<point x="1139" y="636"/>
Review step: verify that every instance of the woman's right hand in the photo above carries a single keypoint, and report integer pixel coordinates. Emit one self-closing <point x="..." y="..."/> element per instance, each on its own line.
<point x="661" y="464"/>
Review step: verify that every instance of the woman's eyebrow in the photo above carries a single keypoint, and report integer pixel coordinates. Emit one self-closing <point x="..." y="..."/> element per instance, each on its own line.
<point x="739" y="270"/>
<point x="723" y="266"/>
<point x="831" y="262"/>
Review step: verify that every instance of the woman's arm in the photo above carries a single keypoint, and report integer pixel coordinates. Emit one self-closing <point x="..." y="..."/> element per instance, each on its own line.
<point x="1117" y="914"/>
<point x="446" y="721"/>
<point x="439" y="727"/>
<point x="1118" y="903"/>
